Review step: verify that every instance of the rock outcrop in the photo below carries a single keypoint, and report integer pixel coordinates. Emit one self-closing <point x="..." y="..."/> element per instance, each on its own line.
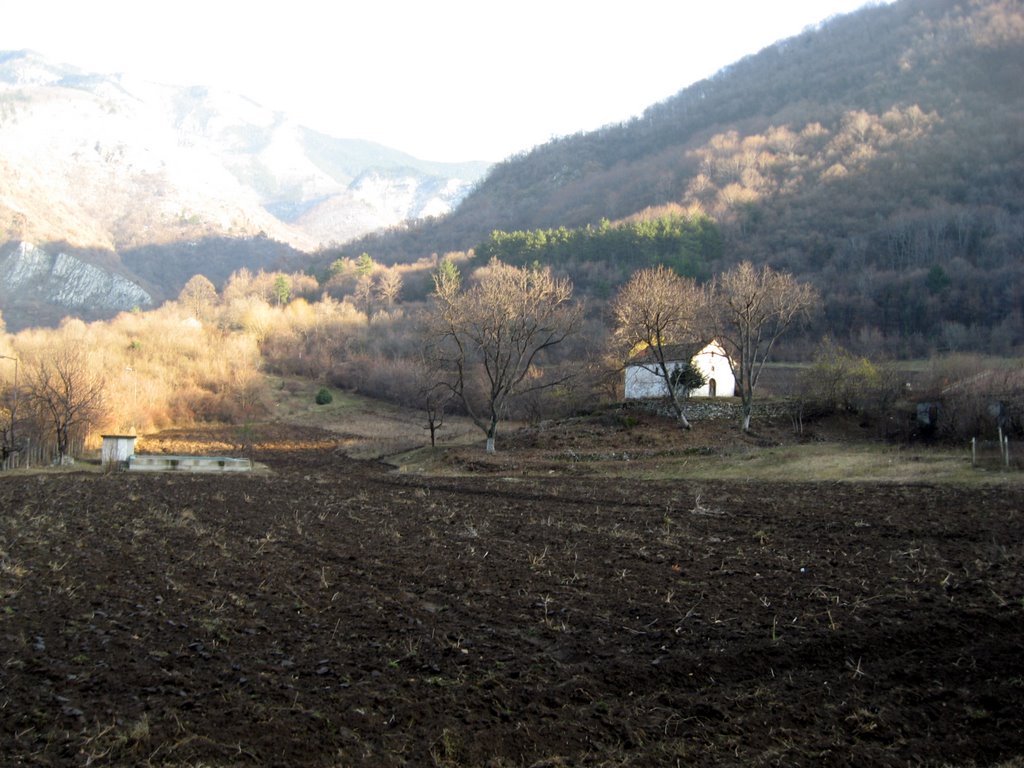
<point x="30" y="273"/>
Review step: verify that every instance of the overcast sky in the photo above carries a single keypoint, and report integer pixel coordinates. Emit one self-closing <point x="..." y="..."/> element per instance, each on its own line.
<point x="442" y="80"/>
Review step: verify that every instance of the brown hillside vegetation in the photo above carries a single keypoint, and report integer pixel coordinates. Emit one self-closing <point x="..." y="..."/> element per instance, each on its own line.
<point x="878" y="156"/>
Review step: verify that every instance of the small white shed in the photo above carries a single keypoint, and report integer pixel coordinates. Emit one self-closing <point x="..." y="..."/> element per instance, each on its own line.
<point x="116" y="450"/>
<point x="643" y="380"/>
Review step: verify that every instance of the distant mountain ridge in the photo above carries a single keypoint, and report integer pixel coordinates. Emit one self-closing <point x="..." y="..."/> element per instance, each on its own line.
<point x="110" y="164"/>
<point x="108" y="161"/>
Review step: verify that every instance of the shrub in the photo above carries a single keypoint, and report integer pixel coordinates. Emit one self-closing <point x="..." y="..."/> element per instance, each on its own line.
<point x="839" y="380"/>
<point x="628" y="422"/>
<point x="324" y="396"/>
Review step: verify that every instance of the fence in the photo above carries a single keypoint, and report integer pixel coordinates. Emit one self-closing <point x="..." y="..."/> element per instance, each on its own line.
<point x="27" y="456"/>
<point x="34" y="453"/>
<point x="991" y="453"/>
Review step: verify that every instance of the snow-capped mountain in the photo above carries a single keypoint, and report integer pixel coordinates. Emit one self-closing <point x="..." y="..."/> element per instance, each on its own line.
<point x="108" y="164"/>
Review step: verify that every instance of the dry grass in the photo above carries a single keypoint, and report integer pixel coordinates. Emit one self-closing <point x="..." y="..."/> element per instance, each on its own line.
<point x="839" y="462"/>
<point x="368" y="428"/>
<point x="375" y="430"/>
<point x="711" y="452"/>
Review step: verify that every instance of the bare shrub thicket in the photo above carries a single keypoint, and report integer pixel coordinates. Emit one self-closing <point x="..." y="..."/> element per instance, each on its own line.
<point x="976" y="397"/>
<point x="203" y="357"/>
<point x="840" y="382"/>
<point x="307" y="339"/>
<point x="138" y="372"/>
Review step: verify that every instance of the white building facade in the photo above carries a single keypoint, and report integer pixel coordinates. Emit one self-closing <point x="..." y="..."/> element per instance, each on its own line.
<point x="644" y="382"/>
<point x="117" y="450"/>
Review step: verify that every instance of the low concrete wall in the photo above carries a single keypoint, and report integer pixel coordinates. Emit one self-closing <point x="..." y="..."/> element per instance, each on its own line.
<point x="166" y="463"/>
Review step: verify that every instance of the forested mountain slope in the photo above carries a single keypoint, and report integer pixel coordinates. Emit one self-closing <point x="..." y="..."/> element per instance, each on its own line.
<point x="880" y="155"/>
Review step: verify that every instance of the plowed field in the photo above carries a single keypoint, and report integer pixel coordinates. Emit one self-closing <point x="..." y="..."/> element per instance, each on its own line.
<point x="333" y="613"/>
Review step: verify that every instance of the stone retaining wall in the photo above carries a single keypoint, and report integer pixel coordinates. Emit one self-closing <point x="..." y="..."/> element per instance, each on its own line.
<point x="711" y="409"/>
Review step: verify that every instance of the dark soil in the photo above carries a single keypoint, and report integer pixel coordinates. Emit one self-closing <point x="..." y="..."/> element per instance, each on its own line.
<point x="333" y="613"/>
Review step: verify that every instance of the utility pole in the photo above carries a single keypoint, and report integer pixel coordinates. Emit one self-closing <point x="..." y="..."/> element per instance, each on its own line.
<point x="135" y="393"/>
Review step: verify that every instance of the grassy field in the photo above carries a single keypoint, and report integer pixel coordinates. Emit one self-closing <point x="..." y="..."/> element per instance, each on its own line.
<point x="839" y="462"/>
<point x="371" y="429"/>
<point x="367" y="428"/>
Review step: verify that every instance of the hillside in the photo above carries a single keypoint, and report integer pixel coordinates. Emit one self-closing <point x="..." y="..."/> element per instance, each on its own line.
<point x="135" y="178"/>
<point x="108" y="161"/>
<point x="880" y="155"/>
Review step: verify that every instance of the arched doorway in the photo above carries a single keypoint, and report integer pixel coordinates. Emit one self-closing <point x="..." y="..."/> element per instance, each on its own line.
<point x="712" y="388"/>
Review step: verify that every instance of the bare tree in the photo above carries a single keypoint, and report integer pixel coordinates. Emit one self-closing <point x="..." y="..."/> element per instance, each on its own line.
<point x="198" y="296"/>
<point x="362" y="294"/>
<point x="434" y="398"/>
<point x="754" y="307"/>
<point x="389" y="286"/>
<point x="62" y="387"/>
<point x="489" y="337"/>
<point x="9" y="410"/>
<point x="661" y="320"/>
